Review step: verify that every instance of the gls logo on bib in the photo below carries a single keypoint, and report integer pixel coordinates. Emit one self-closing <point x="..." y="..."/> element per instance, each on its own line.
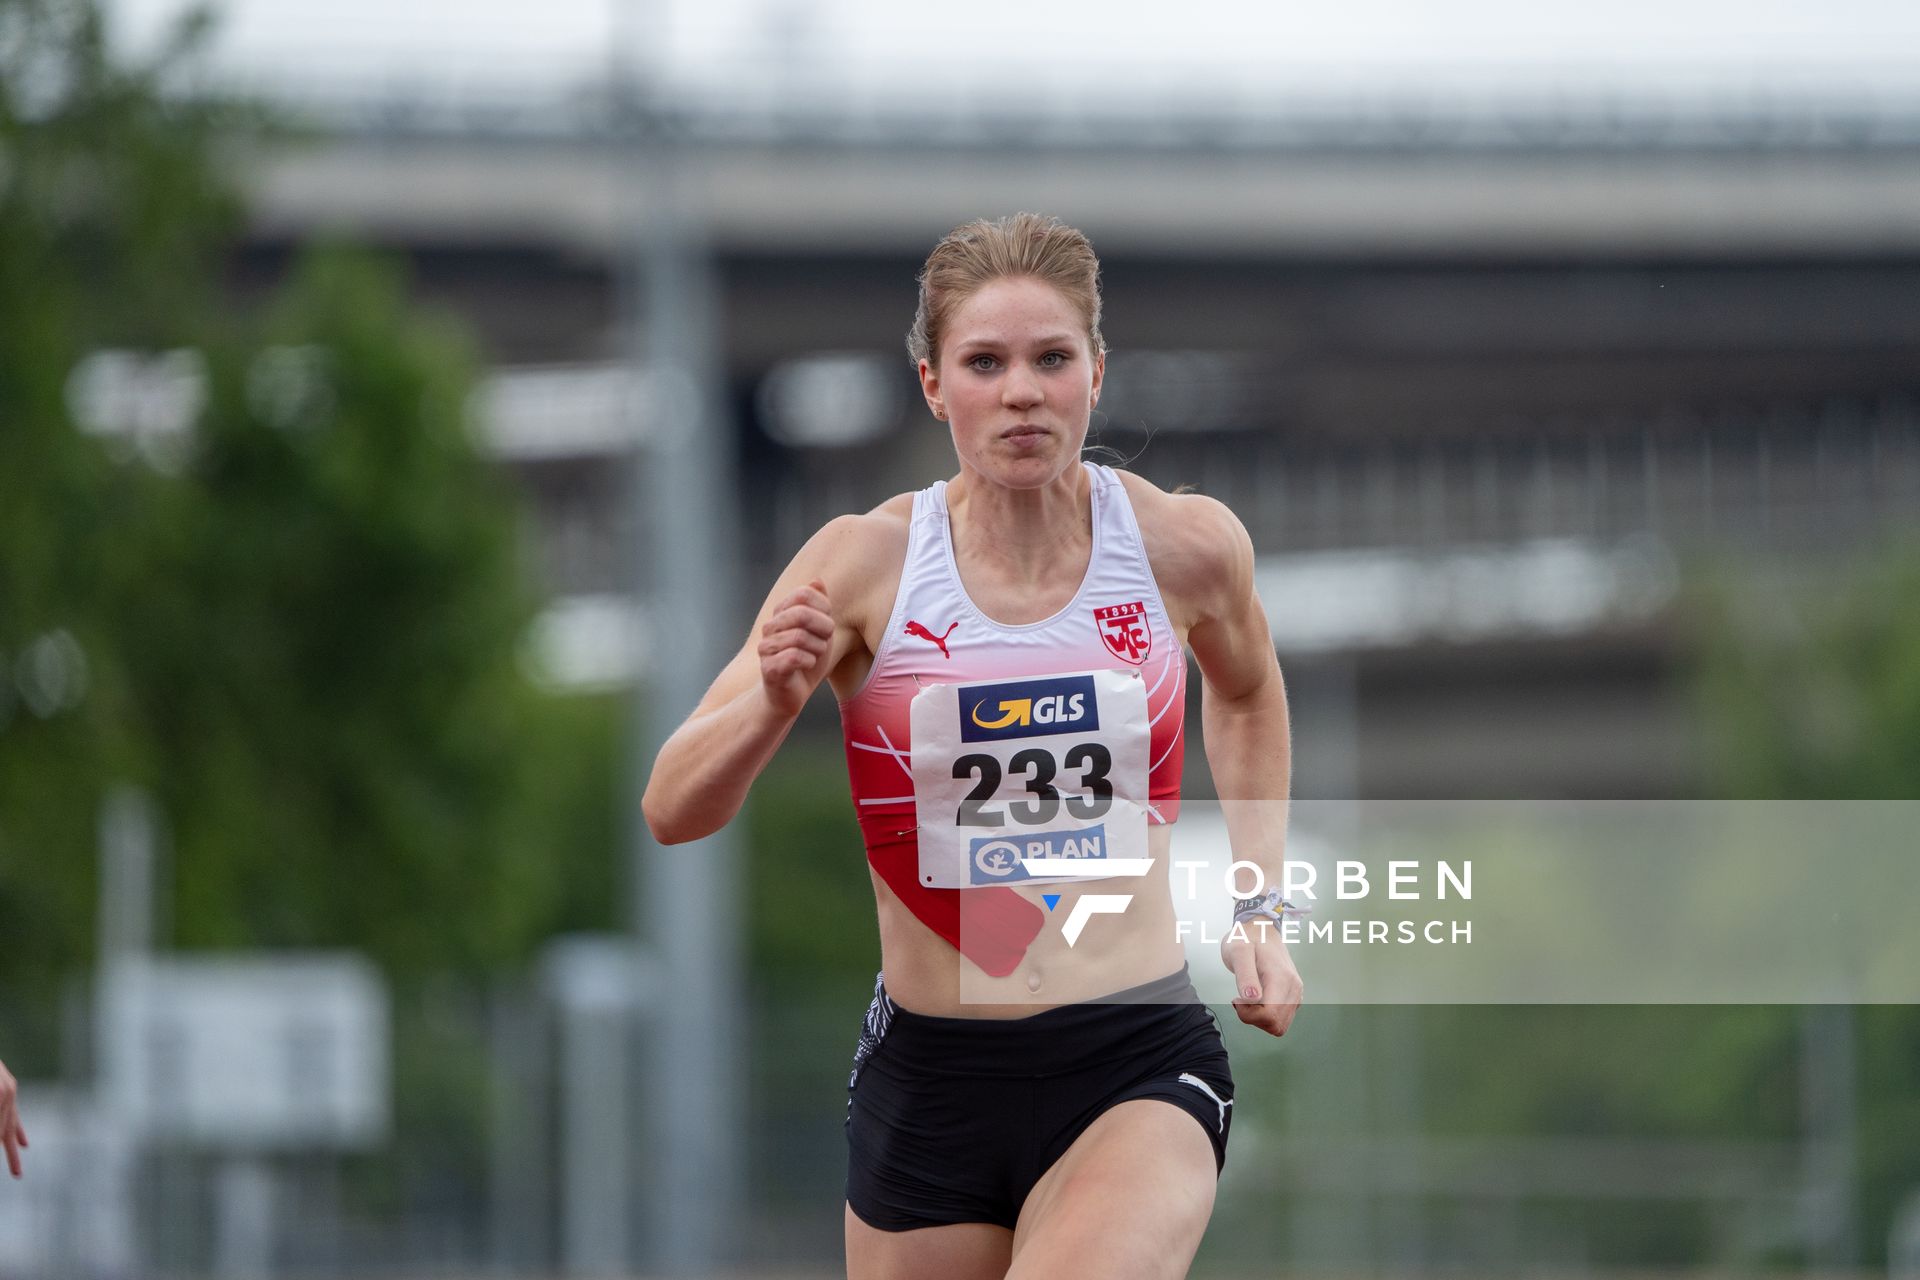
<point x="1028" y="709"/>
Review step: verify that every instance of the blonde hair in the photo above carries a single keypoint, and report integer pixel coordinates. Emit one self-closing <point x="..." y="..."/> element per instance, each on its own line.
<point x="1025" y="244"/>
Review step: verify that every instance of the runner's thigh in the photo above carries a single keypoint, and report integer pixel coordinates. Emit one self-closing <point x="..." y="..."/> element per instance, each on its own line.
<point x="960" y="1250"/>
<point x="1130" y="1198"/>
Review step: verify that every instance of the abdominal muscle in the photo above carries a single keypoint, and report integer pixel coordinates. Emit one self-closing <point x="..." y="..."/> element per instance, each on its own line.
<point x="926" y="974"/>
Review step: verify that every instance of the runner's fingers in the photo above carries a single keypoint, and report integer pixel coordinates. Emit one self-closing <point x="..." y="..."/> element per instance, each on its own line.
<point x="793" y="642"/>
<point x="787" y="662"/>
<point x="1246" y="975"/>
<point x="1272" y="1016"/>
<point x="12" y="1134"/>
<point x="781" y="665"/>
<point x="811" y="596"/>
<point x="1272" y="1021"/>
<point x="795" y="638"/>
<point x="1255" y="1014"/>
<point x="811" y="623"/>
<point x="799" y="617"/>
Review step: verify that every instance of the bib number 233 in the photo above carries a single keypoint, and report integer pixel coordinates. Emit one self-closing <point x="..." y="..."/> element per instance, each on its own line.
<point x="1052" y="767"/>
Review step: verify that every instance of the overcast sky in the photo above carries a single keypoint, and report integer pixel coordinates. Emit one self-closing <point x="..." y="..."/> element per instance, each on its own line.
<point x="1086" y="46"/>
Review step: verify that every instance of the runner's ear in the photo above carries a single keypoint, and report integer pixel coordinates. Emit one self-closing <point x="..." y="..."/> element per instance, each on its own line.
<point x="930" y="388"/>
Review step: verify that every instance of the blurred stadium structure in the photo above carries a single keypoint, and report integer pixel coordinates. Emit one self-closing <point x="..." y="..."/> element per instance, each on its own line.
<point x="1601" y="329"/>
<point x="1481" y="379"/>
<point x="1597" y="327"/>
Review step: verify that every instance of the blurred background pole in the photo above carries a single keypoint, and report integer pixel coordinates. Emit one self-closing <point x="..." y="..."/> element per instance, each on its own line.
<point x="686" y="907"/>
<point x="1829" y="1106"/>
<point x="128" y="853"/>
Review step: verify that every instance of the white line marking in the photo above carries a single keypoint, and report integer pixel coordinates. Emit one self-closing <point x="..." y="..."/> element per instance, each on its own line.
<point x="1169" y="751"/>
<point x="1178" y="688"/>
<point x="899" y="756"/>
<point x="1162" y="677"/>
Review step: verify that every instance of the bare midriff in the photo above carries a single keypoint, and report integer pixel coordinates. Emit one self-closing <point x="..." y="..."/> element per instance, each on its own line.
<point x="924" y="973"/>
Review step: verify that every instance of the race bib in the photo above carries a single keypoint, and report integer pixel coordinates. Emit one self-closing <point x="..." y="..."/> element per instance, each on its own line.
<point x="1051" y="767"/>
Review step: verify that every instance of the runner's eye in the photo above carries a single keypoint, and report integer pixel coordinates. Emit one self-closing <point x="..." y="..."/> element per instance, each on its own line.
<point x="1053" y="359"/>
<point x="981" y="363"/>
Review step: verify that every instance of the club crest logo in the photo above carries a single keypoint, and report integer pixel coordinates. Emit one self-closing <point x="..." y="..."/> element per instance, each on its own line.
<point x="1124" y="629"/>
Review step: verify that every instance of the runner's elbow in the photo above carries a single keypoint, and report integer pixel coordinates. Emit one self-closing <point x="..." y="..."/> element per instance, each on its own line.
<point x="665" y="824"/>
<point x="672" y="823"/>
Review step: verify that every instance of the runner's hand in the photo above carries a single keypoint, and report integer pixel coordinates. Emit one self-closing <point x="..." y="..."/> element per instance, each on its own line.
<point x="1261" y="965"/>
<point x="12" y="1135"/>
<point x="793" y="648"/>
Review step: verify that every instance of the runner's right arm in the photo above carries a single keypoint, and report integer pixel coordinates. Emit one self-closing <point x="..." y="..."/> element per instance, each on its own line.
<point x="700" y="779"/>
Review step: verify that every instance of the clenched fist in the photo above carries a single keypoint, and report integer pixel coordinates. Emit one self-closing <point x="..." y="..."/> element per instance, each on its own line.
<point x="1267" y="986"/>
<point x="793" y="647"/>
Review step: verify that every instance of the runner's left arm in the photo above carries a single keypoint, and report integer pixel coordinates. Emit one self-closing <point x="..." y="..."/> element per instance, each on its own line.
<point x="1243" y="707"/>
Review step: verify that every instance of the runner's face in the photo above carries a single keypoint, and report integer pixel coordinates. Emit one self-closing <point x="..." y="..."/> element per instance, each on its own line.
<point x="1017" y="379"/>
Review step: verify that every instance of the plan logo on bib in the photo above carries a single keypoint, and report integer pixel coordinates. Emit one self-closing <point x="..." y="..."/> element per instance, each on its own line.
<point x="1124" y="629"/>
<point x="1000" y="858"/>
<point x="1028" y="708"/>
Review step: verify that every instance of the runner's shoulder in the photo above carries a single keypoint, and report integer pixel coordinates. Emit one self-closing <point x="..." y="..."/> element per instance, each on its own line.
<point x="1195" y="543"/>
<point x="860" y="553"/>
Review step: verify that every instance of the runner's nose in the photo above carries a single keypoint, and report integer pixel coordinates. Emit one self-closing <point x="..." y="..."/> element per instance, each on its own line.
<point x="1021" y="388"/>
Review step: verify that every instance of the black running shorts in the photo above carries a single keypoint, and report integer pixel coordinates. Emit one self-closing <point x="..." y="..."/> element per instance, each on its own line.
<point x="955" y="1119"/>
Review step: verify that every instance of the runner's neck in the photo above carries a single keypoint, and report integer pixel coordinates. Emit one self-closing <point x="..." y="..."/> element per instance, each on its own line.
<point x="1022" y="536"/>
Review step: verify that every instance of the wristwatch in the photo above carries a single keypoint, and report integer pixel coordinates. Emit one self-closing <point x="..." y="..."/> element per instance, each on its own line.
<point x="1271" y="905"/>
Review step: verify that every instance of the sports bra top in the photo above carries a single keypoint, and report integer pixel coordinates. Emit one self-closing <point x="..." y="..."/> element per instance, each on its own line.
<point x="1033" y="724"/>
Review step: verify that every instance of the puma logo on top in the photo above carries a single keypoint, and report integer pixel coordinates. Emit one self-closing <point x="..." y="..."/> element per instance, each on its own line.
<point x="916" y="629"/>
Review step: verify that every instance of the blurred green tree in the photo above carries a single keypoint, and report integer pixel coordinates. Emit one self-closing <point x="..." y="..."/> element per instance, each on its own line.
<point x="298" y="624"/>
<point x="110" y="218"/>
<point x="1810" y="686"/>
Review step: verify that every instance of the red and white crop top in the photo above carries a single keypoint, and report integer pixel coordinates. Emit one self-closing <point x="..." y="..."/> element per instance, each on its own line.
<point x="1045" y="735"/>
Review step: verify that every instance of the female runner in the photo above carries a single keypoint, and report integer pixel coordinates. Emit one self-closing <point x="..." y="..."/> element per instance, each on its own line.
<point x="1021" y="1105"/>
